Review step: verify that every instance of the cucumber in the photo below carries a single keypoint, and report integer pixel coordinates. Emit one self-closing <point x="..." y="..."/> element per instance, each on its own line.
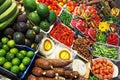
<point x="7" y="22"/>
<point x="8" y="13"/>
<point x="5" y="5"/>
<point x="1" y="2"/>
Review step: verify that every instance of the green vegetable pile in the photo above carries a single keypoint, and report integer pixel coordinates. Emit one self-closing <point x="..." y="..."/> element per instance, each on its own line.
<point x="93" y="78"/>
<point x="65" y="18"/>
<point x="104" y="51"/>
<point x="101" y="37"/>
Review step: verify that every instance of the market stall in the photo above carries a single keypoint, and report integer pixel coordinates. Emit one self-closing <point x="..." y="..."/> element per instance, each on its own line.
<point x="59" y="40"/>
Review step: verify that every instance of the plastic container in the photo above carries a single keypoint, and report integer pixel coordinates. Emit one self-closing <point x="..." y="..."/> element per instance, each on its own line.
<point x="103" y="52"/>
<point x="12" y="75"/>
<point x="115" y="68"/>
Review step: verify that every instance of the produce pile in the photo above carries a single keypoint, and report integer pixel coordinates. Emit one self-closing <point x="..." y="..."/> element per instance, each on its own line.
<point x="59" y="39"/>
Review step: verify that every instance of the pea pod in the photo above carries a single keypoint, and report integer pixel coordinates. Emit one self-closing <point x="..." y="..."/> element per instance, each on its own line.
<point x="105" y="51"/>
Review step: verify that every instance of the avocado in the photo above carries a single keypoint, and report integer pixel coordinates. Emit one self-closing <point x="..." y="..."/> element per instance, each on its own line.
<point x="36" y="29"/>
<point x="34" y="17"/>
<point x="30" y="5"/>
<point x="22" y="18"/>
<point x="19" y="38"/>
<point x="42" y="10"/>
<point x="52" y="17"/>
<point x="9" y="32"/>
<point x="28" y="42"/>
<point x="30" y="34"/>
<point x="44" y="25"/>
<point x="21" y="27"/>
<point x="37" y="39"/>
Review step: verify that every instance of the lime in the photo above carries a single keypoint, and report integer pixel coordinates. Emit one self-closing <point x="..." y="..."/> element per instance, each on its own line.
<point x="2" y="52"/>
<point x="11" y="43"/>
<point x="9" y="56"/>
<point x="5" y="47"/>
<point x="4" y="40"/>
<point x="30" y="54"/>
<point x="14" y="51"/>
<point x="15" y="69"/>
<point x="24" y="52"/>
<point x="26" y="61"/>
<point x="7" y="65"/>
<point x="22" y="67"/>
<point x="15" y="61"/>
<point x="2" y="60"/>
<point x="20" y="55"/>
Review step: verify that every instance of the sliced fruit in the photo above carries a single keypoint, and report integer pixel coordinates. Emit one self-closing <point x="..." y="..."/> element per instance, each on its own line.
<point x="34" y="17"/>
<point x="5" y="5"/>
<point x="7" y="22"/>
<point x="42" y="10"/>
<point x="30" y="5"/>
<point x="9" y="12"/>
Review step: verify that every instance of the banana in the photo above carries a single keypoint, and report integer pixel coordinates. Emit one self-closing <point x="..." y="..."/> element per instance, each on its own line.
<point x="9" y="12"/>
<point x="7" y="22"/>
<point x="5" y="5"/>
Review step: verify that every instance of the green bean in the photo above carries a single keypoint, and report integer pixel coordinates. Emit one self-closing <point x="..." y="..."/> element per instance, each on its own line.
<point x="65" y="18"/>
<point x="104" y="51"/>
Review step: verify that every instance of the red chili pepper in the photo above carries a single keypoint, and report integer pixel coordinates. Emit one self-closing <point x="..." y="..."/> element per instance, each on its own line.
<point x="113" y="39"/>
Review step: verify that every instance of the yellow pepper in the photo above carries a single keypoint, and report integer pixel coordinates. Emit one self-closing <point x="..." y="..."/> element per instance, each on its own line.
<point x="104" y="26"/>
